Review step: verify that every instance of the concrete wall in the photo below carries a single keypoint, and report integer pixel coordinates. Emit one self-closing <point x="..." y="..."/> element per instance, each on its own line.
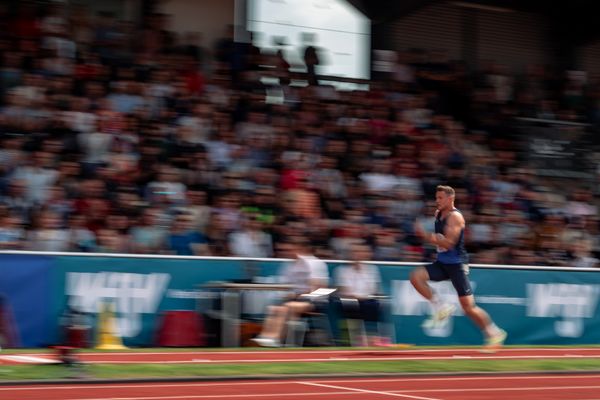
<point x="207" y="17"/>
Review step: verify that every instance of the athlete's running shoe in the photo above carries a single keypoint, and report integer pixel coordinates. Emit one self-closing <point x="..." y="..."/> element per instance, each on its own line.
<point x="495" y="343"/>
<point x="440" y="316"/>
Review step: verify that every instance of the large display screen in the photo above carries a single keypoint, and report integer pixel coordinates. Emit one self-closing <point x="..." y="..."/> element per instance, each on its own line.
<point x="341" y="34"/>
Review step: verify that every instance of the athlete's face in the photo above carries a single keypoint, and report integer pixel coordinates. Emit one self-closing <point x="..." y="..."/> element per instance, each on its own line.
<point x="443" y="201"/>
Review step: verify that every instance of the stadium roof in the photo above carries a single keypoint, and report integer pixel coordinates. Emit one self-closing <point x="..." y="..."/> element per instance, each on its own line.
<point x="575" y="19"/>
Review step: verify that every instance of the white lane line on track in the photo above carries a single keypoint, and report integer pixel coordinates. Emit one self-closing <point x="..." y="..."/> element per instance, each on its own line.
<point x="387" y="351"/>
<point x="406" y="396"/>
<point x="134" y="386"/>
<point x="495" y="389"/>
<point x="287" y="382"/>
<point x="275" y="360"/>
<point x="28" y="359"/>
<point x="222" y="396"/>
<point x="465" y="378"/>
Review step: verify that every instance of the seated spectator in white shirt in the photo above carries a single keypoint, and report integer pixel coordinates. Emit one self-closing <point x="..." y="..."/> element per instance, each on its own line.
<point x="306" y="273"/>
<point x="359" y="283"/>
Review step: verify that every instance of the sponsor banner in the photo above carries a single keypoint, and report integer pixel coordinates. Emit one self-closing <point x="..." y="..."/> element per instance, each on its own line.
<point x="533" y="306"/>
<point x="25" y="290"/>
<point x="140" y="289"/>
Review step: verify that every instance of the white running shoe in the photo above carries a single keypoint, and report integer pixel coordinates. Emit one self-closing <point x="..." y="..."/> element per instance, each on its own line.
<point x="266" y="342"/>
<point x="440" y="316"/>
<point x="494" y="343"/>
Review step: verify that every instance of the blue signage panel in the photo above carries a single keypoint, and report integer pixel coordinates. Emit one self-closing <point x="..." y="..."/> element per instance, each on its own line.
<point x="25" y="290"/>
<point x="533" y="306"/>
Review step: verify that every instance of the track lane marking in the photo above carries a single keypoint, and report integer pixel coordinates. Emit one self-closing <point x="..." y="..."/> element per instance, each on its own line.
<point x="406" y="396"/>
<point x="286" y="382"/>
<point x="220" y="396"/>
<point x="488" y="389"/>
<point x="467" y="378"/>
<point x="28" y="359"/>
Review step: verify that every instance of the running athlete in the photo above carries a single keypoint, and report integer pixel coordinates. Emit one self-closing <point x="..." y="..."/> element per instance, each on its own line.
<point x="452" y="263"/>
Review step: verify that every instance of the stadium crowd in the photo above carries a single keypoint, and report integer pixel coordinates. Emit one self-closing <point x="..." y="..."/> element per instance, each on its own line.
<point x="124" y="139"/>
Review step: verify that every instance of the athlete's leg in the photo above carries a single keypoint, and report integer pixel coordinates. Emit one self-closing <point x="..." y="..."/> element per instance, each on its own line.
<point x="419" y="278"/>
<point x="480" y="317"/>
<point x="494" y="336"/>
<point x="459" y="275"/>
<point x="476" y="313"/>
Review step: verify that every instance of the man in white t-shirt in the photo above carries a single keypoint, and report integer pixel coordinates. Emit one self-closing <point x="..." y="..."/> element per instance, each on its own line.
<point x="358" y="280"/>
<point x="306" y="273"/>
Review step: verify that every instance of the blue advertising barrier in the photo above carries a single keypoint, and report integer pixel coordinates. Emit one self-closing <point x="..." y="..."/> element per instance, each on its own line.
<point x="26" y="287"/>
<point x="535" y="305"/>
<point x="140" y="288"/>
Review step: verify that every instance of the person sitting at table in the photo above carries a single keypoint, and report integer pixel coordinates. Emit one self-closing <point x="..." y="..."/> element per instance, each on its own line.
<point x="359" y="284"/>
<point x="306" y="273"/>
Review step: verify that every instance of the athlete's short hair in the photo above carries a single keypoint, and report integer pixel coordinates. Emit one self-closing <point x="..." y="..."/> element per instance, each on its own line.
<point x="446" y="189"/>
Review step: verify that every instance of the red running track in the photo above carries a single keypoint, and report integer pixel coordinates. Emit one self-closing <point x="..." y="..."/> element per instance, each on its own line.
<point x="529" y="387"/>
<point x="266" y="356"/>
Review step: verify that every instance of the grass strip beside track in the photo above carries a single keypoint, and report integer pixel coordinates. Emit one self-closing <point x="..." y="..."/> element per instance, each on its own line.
<point x="112" y="371"/>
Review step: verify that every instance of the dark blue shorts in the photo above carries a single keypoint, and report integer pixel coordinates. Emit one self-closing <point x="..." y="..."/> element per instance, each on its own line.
<point x="457" y="273"/>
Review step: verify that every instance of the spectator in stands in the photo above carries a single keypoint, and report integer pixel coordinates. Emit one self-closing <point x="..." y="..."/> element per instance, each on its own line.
<point x="81" y="238"/>
<point x="12" y="232"/>
<point x="197" y="207"/>
<point x="92" y="202"/>
<point x="95" y="145"/>
<point x="38" y="175"/>
<point x="16" y="201"/>
<point x="50" y="234"/>
<point x="147" y="235"/>
<point x="251" y="240"/>
<point x="582" y="256"/>
<point x="168" y="186"/>
<point x="87" y="105"/>
<point x="111" y="241"/>
<point x="389" y="245"/>
<point x="183" y="240"/>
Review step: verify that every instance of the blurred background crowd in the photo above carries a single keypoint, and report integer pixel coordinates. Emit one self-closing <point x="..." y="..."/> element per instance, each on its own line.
<point x="128" y="138"/>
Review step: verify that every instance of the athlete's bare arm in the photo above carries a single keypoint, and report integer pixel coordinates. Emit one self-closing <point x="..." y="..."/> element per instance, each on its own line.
<point x="455" y="222"/>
